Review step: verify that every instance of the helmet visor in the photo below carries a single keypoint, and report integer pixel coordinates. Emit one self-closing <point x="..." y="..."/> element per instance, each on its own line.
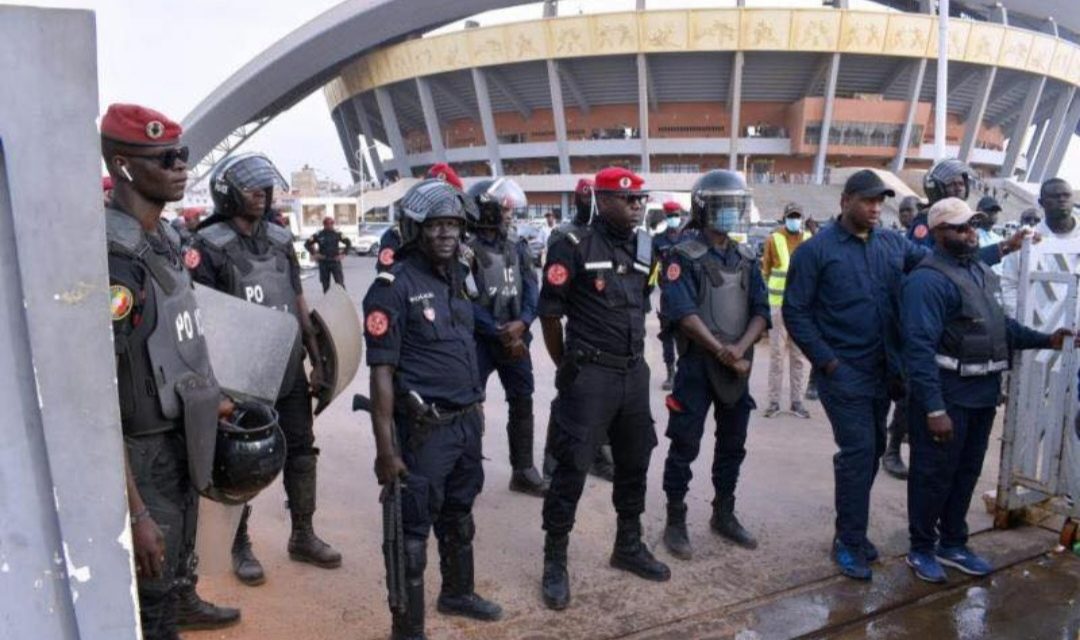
<point x="253" y="173"/>
<point x="435" y="199"/>
<point x="723" y="211"/>
<point x="507" y="193"/>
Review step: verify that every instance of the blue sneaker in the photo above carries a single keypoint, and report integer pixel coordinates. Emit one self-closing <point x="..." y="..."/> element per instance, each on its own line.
<point x="963" y="559"/>
<point x="851" y="560"/>
<point x="870" y="551"/>
<point x="926" y="567"/>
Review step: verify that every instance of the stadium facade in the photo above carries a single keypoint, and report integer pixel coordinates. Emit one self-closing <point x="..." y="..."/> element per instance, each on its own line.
<point x="678" y="91"/>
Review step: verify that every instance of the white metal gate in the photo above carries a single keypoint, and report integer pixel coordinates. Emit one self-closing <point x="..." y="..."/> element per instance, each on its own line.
<point x="1040" y="452"/>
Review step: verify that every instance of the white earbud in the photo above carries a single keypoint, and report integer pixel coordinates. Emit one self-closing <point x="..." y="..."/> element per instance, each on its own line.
<point x="127" y="174"/>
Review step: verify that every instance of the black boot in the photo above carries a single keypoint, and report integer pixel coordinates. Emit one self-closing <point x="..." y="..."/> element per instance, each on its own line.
<point x="676" y="538"/>
<point x="458" y="595"/>
<point x="304" y="545"/>
<point x="726" y="524"/>
<point x="632" y="555"/>
<point x="519" y="434"/>
<point x="669" y="382"/>
<point x="193" y="613"/>
<point x="409" y="624"/>
<point x="245" y="565"/>
<point x="891" y="461"/>
<point x="603" y="465"/>
<point x="556" y="581"/>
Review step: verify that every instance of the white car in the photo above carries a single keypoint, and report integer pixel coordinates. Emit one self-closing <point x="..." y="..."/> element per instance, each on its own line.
<point x="367" y="244"/>
<point x="302" y="255"/>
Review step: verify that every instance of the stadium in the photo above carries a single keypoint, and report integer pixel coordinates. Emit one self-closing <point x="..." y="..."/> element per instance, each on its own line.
<point x="671" y="93"/>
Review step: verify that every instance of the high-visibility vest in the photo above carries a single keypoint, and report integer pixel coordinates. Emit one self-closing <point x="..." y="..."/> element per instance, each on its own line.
<point x="778" y="276"/>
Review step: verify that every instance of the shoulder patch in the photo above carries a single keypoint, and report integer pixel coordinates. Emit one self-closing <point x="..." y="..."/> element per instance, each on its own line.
<point x="192" y="258"/>
<point x="386" y="256"/>
<point x="377" y="323"/>
<point x="920" y="231"/>
<point x="557" y="275"/>
<point x="673" y="272"/>
<point x="121" y="301"/>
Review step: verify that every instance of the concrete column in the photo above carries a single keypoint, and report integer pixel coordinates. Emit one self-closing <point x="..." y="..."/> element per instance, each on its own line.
<point x="431" y="119"/>
<point x="564" y="206"/>
<point x="487" y="120"/>
<point x="558" y="115"/>
<point x="551" y="8"/>
<point x="735" y="103"/>
<point x="393" y="131"/>
<point x="369" y="152"/>
<point x="347" y="138"/>
<point x="1053" y="168"/>
<point x="1037" y="164"/>
<point x="1036" y="138"/>
<point x="1023" y="123"/>
<point x="643" y="105"/>
<point x="913" y="106"/>
<point x="826" y="120"/>
<point x="975" y="116"/>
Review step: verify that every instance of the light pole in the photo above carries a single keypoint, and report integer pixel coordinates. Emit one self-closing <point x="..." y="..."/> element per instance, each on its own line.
<point x="360" y="153"/>
<point x="941" y="96"/>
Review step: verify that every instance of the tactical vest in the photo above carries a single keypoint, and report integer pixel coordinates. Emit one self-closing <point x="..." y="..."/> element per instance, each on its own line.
<point x="778" y="276"/>
<point x="975" y="342"/>
<point x="176" y="346"/>
<point x="261" y="279"/>
<point x="498" y="279"/>
<point x="723" y="295"/>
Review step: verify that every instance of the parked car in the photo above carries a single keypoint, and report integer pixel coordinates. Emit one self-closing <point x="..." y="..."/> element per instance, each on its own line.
<point x="367" y="243"/>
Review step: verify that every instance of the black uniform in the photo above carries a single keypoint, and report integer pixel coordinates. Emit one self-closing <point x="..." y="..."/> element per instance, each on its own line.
<point x="158" y="338"/>
<point x="600" y="283"/>
<point x="330" y="243"/>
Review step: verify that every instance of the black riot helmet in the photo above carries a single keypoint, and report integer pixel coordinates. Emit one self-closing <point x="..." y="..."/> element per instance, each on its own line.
<point x="938" y="177"/>
<point x="431" y="199"/>
<point x="492" y="198"/>
<point x="243" y="172"/>
<point x="720" y="200"/>
<point x="249" y="455"/>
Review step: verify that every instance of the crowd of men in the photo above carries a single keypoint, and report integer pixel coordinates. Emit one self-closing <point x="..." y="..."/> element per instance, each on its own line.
<point x="879" y="317"/>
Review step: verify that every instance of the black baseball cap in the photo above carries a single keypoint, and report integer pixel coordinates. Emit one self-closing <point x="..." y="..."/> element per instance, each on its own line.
<point x="867" y="184"/>
<point x="987" y="204"/>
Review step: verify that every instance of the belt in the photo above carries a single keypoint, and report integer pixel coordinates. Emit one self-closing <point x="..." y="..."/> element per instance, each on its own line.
<point x="950" y="363"/>
<point x="442" y="415"/>
<point x="590" y="354"/>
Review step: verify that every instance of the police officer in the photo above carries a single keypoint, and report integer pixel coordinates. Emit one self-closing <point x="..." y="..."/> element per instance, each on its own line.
<point x="663" y="244"/>
<point x="426" y="388"/>
<point x="950" y="178"/>
<point x="714" y="294"/>
<point x="391" y="239"/>
<point x="506" y="307"/>
<point x="329" y="253"/>
<point x="906" y="212"/>
<point x="957" y="341"/>
<point x="236" y="251"/>
<point x="163" y="371"/>
<point x="599" y="282"/>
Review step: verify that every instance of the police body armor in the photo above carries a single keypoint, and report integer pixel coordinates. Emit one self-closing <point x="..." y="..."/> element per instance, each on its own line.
<point x="262" y="279"/>
<point x="723" y="300"/>
<point x="498" y="279"/>
<point x="183" y="381"/>
<point x="975" y="343"/>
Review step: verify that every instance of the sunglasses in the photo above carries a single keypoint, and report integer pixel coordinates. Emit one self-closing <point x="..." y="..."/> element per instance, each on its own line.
<point x="632" y="199"/>
<point x="168" y="157"/>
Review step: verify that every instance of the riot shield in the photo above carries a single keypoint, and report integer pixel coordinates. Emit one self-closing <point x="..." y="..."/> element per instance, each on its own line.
<point x="341" y="341"/>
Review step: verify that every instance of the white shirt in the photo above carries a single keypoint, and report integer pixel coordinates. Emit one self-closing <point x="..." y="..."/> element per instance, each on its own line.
<point x="1052" y="243"/>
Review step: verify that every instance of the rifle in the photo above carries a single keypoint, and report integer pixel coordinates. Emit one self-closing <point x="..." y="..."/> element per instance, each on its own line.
<point x="393" y="546"/>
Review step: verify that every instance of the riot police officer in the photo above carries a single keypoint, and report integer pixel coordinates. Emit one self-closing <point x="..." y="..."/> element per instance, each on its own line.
<point x="330" y="253"/>
<point x="236" y="251"/>
<point x="714" y="295"/>
<point x="950" y="178"/>
<point x="506" y="307"/>
<point x="426" y="392"/>
<point x="391" y="239"/>
<point x="168" y="395"/>
<point x="663" y="244"/>
<point x="599" y="282"/>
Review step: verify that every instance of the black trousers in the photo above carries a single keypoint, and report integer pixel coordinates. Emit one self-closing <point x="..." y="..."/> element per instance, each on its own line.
<point x="329" y="268"/>
<point x="592" y="401"/>
<point x="295" y="417"/>
<point x="159" y="467"/>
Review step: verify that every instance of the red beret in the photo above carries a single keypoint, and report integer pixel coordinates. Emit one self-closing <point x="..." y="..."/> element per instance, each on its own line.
<point x="135" y="125"/>
<point x="584" y="187"/>
<point x="106" y="183"/>
<point x="619" y="179"/>
<point x="446" y="173"/>
<point x="191" y="213"/>
<point x="672" y="207"/>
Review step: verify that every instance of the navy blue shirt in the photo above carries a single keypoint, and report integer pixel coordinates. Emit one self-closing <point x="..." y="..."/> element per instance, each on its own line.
<point x="919" y="230"/>
<point x="422" y="324"/>
<point x="680" y="281"/>
<point x="929" y="300"/>
<point x="841" y="301"/>
<point x="530" y="291"/>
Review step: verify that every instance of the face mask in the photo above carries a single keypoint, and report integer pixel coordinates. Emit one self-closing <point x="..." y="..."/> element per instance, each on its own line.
<point x="793" y="224"/>
<point x="726" y="220"/>
<point x="673" y="222"/>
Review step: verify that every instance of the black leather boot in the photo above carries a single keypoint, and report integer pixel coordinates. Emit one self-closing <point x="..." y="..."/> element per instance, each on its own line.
<point x="519" y="434"/>
<point x="556" y="581"/>
<point x="245" y="565"/>
<point x="458" y="595"/>
<point x="891" y="461"/>
<point x="676" y="538"/>
<point x="727" y="525"/>
<point x="304" y="545"/>
<point x="632" y="555"/>
<point x="193" y="613"/>
<point x="409" y="624"/>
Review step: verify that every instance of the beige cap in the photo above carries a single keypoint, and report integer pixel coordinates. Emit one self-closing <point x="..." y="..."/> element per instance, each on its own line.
<point x="949" y="211"/>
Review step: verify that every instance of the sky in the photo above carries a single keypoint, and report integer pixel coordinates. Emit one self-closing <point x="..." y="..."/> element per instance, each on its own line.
<point x="170" y="55"/>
